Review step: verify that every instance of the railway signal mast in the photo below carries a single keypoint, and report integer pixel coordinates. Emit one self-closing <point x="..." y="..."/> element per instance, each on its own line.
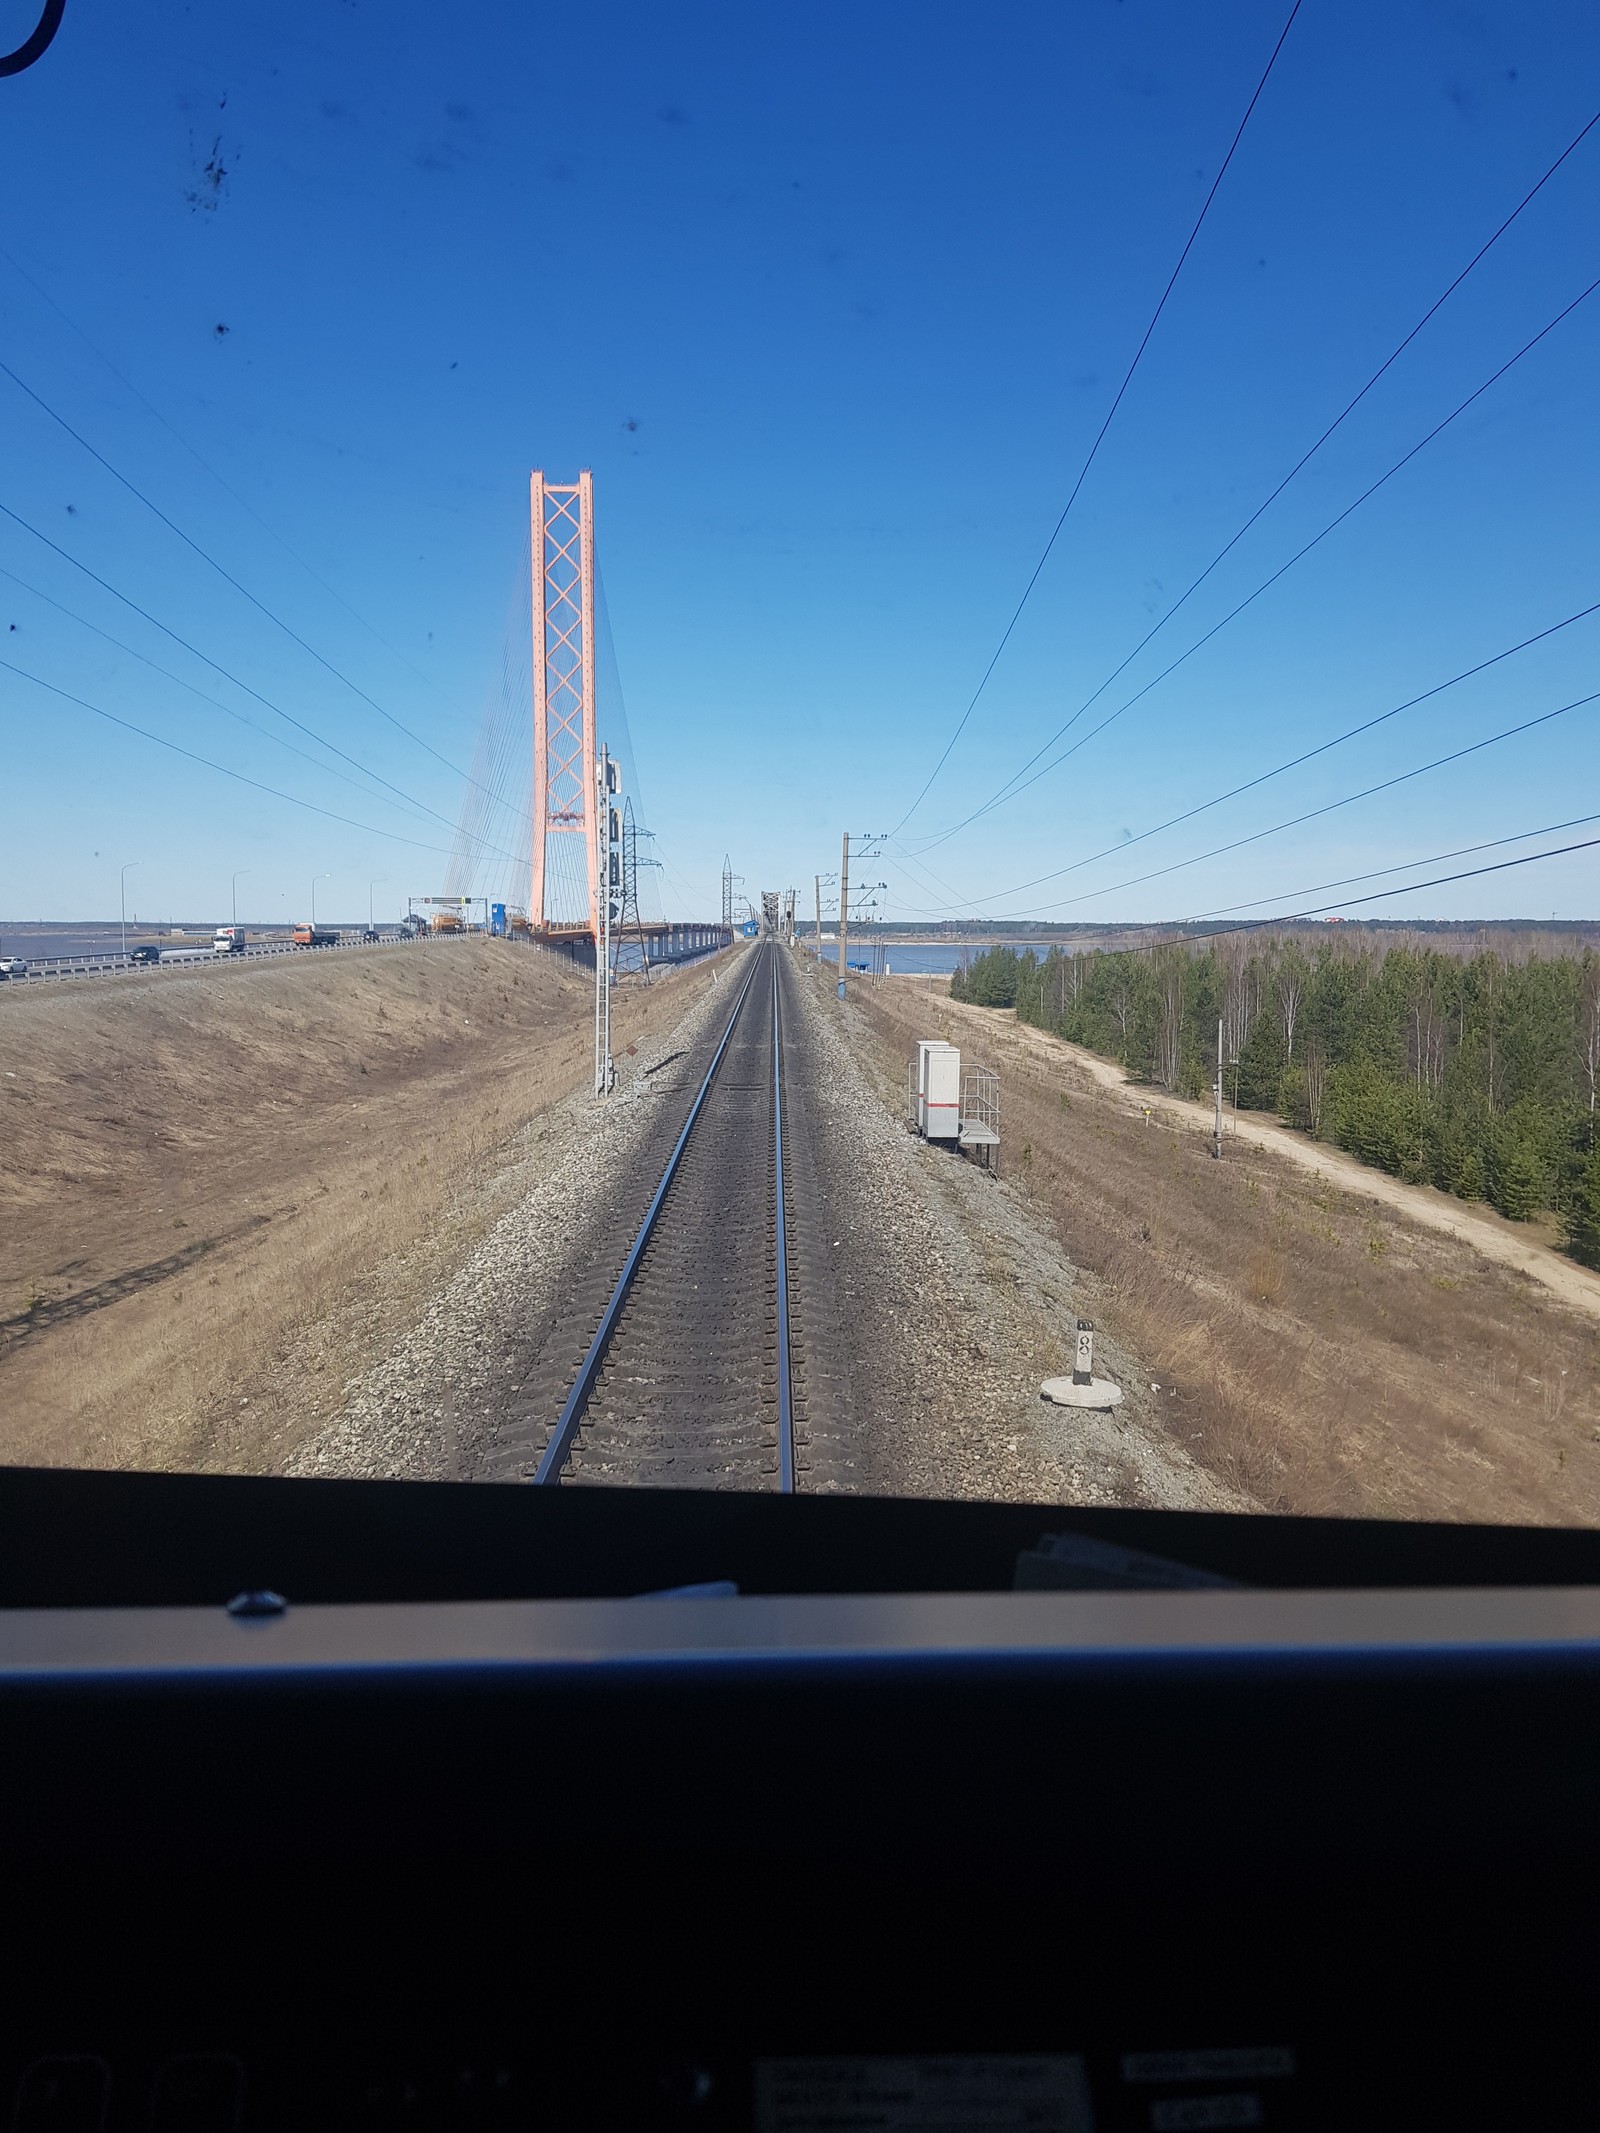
<point x="609" y="829"/>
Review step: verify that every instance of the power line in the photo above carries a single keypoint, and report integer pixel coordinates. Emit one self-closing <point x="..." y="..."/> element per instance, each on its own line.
<point x="1306" y="756"/>
<point x="227" y="576"/>
<point x="1019" y="782"/>
<point x="1330" y="807"/>
<point x="1094" y="448"/>
<point x="238" y="776"/>
<point x="167" y="674"/>
<point x="1464" y="851"/>
<point x="222" y="482"/>
<point x="1440" y="881"/>
<point x="216" y="667"/>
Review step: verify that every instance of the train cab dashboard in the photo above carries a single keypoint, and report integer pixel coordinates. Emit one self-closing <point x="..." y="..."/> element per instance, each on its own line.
<point x="412" y="1805"/>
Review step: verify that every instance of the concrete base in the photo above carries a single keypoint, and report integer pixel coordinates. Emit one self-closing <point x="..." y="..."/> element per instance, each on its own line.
<point x="1098" y="1393"/>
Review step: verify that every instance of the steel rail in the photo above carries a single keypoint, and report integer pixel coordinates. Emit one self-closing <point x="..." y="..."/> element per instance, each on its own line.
<point x="566" y="1429"/>
<point x="781" y="1244"/>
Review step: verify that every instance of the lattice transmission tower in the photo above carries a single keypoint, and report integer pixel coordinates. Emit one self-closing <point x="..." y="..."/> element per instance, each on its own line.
<point x="564" y="890"/>
<point x="727" y="895"/>
<point x="628" y="900"/>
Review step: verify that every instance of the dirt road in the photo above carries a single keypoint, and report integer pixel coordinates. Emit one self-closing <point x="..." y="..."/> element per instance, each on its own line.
<point x="1509" y="1244"/>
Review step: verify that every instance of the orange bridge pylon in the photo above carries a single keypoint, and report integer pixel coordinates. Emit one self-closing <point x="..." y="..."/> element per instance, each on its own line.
<point x="564" y="892"/>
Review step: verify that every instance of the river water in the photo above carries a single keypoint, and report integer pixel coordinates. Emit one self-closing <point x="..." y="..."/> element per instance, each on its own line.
<point x="922" y="958"/>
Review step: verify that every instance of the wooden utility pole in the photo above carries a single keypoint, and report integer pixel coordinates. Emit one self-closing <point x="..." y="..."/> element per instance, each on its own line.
<point x="844" y="909"/>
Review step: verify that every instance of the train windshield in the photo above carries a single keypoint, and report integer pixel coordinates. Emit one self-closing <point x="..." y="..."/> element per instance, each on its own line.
<point x="770" y="751"/>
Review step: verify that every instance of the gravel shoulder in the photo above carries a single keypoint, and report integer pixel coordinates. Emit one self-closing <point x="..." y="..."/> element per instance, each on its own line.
<point x="431" y="1407"/>
<point x="955" y="1303"/>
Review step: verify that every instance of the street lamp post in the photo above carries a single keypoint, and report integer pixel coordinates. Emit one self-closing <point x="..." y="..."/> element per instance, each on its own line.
<point x="235" y="888"/>
<point x="314" y="880"/>
<point x="371" y="885"/>
<point x="124" y="892"/>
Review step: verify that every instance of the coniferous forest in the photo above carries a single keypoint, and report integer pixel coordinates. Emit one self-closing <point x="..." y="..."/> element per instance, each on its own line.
<point x="1476" y="1073"/>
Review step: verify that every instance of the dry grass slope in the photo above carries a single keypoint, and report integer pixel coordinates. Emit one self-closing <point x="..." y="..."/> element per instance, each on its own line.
<point x="224" y="1190"/>
<point x="1324" y="1353"/>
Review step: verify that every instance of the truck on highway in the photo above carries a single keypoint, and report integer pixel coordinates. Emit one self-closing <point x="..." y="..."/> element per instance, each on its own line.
<point x="316" y="936"/>
<point x="228" y="940"/>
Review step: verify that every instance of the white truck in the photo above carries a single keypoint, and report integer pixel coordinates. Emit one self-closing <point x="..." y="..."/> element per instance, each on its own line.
<point x="228" y="940"/>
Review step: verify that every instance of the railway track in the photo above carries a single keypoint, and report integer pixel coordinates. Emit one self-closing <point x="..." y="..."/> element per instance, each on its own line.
<point x="692" y="1371"/>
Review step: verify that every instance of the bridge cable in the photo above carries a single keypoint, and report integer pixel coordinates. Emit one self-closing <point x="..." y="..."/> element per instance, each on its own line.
<point x="1106" y="424"/>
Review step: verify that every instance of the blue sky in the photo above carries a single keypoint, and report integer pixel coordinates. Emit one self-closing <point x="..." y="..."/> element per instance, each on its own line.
<point x="832" y="300"/>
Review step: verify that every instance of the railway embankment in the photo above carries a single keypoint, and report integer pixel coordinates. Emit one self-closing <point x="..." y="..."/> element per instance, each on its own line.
<point x="1327" y="1340"/>
<point x="929" y="1302"/>
<point x="224" y="1197"/>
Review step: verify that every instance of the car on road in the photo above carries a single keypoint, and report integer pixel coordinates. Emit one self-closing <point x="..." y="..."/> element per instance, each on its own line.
<point x="371" y="933"/>
<point x="145" y="952"/>
<point x="13" y="966"/>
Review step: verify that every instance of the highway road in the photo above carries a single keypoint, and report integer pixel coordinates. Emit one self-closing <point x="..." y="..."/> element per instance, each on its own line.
<point x="190" y="954"/>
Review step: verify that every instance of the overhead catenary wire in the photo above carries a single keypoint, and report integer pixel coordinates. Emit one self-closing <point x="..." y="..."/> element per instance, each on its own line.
<point x="1019" y="783"/>
<point x="1110" y="417"/>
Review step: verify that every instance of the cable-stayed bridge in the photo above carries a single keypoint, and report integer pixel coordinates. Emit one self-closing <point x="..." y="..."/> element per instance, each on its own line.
<point x="553" y="775"/>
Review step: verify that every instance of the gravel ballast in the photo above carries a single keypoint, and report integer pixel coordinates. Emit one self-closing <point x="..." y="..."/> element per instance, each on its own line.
<point x="949" y="1301"/>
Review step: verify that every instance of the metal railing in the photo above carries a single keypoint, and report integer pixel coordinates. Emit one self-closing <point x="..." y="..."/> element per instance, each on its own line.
<point x="106" y="963"/>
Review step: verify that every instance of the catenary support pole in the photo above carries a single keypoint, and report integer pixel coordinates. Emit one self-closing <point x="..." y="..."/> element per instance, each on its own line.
<point x="1216" y="1144"/>
<point x="844" y="909"/>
